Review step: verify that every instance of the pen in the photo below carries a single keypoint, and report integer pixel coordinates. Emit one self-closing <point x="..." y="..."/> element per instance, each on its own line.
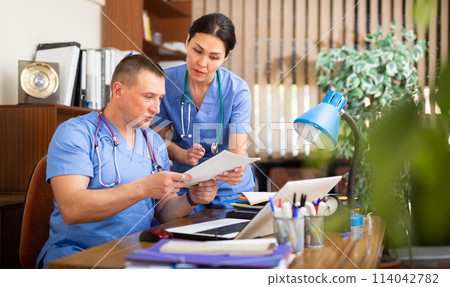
<point x="271" y="205"/>
<point x="295" y="214"/>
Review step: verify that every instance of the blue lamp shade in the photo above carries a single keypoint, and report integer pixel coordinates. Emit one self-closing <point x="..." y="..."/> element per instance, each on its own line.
<point x="320" y="125"/>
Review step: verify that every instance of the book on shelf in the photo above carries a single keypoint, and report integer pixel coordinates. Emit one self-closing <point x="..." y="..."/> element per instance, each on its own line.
<point x="146" y="26"/>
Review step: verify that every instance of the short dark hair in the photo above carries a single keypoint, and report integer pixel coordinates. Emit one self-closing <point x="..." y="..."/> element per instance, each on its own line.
<point x="218" y="25"/>
<point x="130" y="66"/>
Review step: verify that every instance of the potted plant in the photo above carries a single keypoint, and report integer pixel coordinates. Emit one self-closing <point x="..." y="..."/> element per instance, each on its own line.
<point x="373" y="81"/>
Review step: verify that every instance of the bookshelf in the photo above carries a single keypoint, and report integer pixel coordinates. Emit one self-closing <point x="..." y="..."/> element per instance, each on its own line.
<point x="124" y="28"/>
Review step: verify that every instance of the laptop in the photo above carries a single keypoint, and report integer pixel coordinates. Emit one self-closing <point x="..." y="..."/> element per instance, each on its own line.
<point x="262" y="224"/>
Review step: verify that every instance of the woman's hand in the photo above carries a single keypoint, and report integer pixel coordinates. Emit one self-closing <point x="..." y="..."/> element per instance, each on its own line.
<point x="233" y="176"/>
<point x="194" y="154"/>
<point x="204" y="192"/>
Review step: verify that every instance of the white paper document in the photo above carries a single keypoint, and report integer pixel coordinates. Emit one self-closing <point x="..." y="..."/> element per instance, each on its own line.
<point x="217" y="165"/>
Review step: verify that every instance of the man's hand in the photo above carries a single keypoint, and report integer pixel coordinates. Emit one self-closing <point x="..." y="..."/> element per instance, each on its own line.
<point x="160" y="184"/>
<point x="194" y="154"/>
<point x="204" y="192"/>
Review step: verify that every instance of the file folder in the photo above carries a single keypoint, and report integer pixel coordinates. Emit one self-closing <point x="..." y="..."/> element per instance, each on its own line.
<point x="153" y="254"/>
<point x="67" y="55"/>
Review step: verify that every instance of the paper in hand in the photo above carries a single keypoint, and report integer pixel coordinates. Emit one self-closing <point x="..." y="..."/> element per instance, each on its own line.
<point x="216" y="165"/>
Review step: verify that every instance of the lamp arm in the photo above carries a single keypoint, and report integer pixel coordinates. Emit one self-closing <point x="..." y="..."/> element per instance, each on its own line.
<point x="356" y="158"/>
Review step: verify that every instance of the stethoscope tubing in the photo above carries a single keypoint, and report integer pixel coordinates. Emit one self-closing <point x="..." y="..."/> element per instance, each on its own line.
<point x="115" y="142"/>
<point x="186" y="94"/>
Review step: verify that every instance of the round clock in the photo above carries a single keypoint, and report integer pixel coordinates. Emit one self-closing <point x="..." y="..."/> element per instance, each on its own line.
<point x="39" y="80"/>
<point x="333" y="203"/>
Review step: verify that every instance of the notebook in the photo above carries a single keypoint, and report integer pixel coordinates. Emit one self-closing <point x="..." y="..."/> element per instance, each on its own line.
<point x="262" y="224"/>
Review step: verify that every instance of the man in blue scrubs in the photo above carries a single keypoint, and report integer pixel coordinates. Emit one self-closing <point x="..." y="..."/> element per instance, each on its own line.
<point x="107" y="193"/>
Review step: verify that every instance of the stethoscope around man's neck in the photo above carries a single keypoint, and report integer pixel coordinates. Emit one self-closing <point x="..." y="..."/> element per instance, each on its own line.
<point x="115" y="142"/>
<point x="186" y="134"/>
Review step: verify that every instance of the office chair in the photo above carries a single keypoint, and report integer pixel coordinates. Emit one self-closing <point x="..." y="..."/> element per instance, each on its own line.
<point x="36" y="216"/>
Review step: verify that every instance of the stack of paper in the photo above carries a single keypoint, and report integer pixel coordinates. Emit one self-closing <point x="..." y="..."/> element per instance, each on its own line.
<point x="249" y="204"/>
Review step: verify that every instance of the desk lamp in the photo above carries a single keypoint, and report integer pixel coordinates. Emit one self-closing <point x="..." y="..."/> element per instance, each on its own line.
<point x="320" y="126"/>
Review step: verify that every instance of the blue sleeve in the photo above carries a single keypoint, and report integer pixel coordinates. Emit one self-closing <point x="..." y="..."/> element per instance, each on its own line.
<point x="241" y="113"/>
<point x="69" y="151"/>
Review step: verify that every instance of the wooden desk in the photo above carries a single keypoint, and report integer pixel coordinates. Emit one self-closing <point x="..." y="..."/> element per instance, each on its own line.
<point x="354" y="251"/>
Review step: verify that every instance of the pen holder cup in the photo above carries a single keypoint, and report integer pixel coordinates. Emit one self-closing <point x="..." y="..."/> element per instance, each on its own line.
<point x="290" y="231"/>
<point x="314" y="231"/>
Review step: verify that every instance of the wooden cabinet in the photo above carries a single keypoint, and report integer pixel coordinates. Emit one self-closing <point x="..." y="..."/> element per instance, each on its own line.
<point x="11" y="211"/>
<point x="124" y="28"/>
<point x="25" y="133"/>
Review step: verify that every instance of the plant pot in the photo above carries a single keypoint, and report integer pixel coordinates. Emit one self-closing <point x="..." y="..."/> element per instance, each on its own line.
<point x="389" y="262"/>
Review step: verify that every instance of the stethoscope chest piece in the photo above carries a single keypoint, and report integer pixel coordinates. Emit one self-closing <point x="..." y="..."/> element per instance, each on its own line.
<point x="214" y="147"/>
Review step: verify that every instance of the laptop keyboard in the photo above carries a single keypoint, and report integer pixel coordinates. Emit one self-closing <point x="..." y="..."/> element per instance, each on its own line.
<point x="237" y="227"/>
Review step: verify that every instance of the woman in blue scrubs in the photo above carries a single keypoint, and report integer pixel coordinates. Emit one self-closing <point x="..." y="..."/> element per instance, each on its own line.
<point x="205" y="105"/>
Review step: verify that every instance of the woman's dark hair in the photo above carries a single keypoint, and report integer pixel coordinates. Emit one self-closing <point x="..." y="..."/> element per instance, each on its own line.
<point x="218" y="25"/>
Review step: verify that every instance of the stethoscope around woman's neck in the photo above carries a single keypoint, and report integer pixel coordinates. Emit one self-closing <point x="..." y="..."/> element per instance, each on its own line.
<point x="115" y="142"/>
<point x="186" y="134"/>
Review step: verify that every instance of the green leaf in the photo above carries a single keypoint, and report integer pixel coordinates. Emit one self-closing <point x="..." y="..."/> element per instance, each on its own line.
<point x="359" y="67"/>
<point x="369" y="37"/>
<point x="409" y="35"/>
<point x="417" y="53"/>
<point x="373" y="89"/>
<point x="392" y="25"/>
<point x="341" y="56"/>
<point x="391" y="68"/>
<point x="352" y="81"/>
<point x="379" y="79"/>
<point x="366" y="83"/>
<point x="411" y="81"/>
<point x="387" y="56"/>
<point x="373" y="62"/>
<point x="356" y="93"/>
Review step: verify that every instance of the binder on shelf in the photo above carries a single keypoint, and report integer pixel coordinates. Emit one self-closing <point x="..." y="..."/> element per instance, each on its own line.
<point x="76" y="97"/>
<point x="67" y="55"/>
<point x="90" y="79"/>
<point x="83" y="67"/>
<point x="97" y="67"/>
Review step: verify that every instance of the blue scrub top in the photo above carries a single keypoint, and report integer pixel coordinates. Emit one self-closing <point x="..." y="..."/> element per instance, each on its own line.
<point x="72" y="151"/>
<point x="205" y="123"/>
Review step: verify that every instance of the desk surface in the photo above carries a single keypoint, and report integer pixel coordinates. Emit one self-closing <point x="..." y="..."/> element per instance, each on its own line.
<point x="357" y="250"/>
